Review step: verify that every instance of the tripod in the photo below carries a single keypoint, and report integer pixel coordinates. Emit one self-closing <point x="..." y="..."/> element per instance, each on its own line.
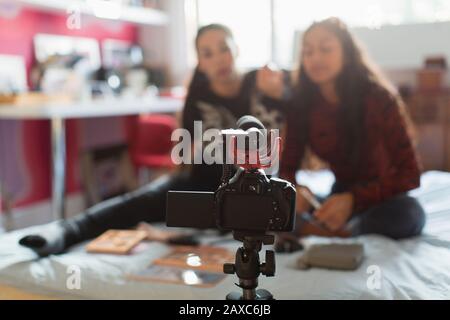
<point x="247" y="266"/>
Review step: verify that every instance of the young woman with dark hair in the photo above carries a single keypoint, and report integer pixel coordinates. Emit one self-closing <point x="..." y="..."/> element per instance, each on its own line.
<point x="218" y="95"/>
<point x="351" y="118"/>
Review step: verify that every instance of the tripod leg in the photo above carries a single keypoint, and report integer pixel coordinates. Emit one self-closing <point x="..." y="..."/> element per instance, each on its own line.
<point x="263" y="294"/>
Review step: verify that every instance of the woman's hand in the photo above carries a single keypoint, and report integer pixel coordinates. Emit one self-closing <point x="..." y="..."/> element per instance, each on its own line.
<point x="336" y="210"/>
<point x="270" y="82"/>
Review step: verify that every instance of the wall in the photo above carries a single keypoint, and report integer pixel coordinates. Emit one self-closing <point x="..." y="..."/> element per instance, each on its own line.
<point x="406" y="46"/>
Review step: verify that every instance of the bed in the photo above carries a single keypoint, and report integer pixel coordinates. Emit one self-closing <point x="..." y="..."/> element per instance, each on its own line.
<point x="415" y="268"/>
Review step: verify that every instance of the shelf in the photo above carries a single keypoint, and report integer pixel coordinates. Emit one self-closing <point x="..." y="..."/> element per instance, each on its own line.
<point x="102" y="9"/>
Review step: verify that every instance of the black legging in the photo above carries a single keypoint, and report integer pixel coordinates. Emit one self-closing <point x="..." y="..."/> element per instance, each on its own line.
<point x="146" y="204"/>
<point x="398" y="217"/>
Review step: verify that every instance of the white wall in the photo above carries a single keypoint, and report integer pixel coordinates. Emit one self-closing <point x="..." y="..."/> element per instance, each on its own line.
<point x="401" y="50"/>
<point x="405" y="46"/>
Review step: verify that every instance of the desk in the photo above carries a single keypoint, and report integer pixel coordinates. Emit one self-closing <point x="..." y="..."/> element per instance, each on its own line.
<point x="57" y="114"/>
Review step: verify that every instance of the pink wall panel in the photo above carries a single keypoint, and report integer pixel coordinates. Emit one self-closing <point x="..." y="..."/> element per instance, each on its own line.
<point x="25" y="168"/>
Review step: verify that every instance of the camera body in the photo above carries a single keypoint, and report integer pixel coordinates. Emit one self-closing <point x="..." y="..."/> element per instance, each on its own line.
<point x="253" y="202"/>
<point x="250" y="202"/>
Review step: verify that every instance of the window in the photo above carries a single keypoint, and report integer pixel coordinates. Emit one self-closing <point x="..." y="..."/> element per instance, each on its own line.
<point x="253" y="21"/>
<point x="250" y="22"/>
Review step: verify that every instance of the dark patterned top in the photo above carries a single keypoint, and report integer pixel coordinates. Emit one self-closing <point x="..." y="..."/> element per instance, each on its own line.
<point x="388" y="164"/>
<point x="218" y="112"/>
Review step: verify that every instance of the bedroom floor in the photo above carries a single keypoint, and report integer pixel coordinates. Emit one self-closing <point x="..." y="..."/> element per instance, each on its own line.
<point x="10" y="293"/>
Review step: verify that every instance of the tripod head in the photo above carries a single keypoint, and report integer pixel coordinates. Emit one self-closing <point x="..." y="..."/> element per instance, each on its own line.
<point x="247" y="266"/>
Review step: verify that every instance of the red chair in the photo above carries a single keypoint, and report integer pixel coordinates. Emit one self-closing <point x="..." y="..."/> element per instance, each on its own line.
<point x="150" y="145"/>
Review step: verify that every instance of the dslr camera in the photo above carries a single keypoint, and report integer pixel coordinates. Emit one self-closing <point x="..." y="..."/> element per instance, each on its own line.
<point x="247" y="199"/>
<point x="247" y="202"/>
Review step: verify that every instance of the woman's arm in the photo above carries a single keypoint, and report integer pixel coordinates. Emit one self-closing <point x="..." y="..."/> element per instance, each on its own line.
<point x="403" y="173"/>
<point x="275" y="87"/>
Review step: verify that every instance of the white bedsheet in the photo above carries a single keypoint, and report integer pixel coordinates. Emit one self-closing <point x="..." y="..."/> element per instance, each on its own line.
<point x="410" y="269"/>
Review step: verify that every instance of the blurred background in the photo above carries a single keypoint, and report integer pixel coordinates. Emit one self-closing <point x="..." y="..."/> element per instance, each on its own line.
<point x="83" y="81"/>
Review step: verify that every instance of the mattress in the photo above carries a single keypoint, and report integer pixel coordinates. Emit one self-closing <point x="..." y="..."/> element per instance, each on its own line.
<point x="414" y="268"/>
